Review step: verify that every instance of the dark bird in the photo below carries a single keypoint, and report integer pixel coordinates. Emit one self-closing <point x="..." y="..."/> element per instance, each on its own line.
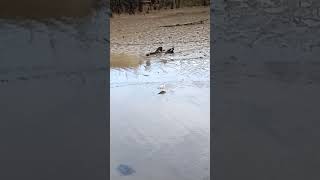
<point x="170" y="51"/>
<point x="159" y="50"/>
<point x="162" y="92"/>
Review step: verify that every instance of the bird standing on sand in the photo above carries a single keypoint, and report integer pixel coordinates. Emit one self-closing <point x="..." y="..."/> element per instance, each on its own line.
<point x="162" y="88"/>
<point x="159" y="50"/>
<point x="170" y="51"/>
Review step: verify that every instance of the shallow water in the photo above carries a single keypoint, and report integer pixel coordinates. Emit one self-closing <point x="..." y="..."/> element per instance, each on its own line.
<point x="160" y="136"/>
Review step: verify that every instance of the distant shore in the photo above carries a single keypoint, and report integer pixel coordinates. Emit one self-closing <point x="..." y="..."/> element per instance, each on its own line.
<point x="144" y="6"/>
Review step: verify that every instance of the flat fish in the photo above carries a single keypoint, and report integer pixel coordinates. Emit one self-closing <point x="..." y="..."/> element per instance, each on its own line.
<point x="125" y="170"/>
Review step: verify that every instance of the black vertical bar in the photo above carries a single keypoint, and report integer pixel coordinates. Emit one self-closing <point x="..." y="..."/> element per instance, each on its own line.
<point x="265" y="90"/>
<point x="54" y="90"/>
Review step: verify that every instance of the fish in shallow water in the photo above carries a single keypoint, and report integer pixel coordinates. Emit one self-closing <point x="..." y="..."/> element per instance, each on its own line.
<point x="125" y="170"/>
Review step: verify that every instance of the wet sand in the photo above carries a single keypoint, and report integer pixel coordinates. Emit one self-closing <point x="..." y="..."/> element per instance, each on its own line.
<point x="160" y="136"/>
